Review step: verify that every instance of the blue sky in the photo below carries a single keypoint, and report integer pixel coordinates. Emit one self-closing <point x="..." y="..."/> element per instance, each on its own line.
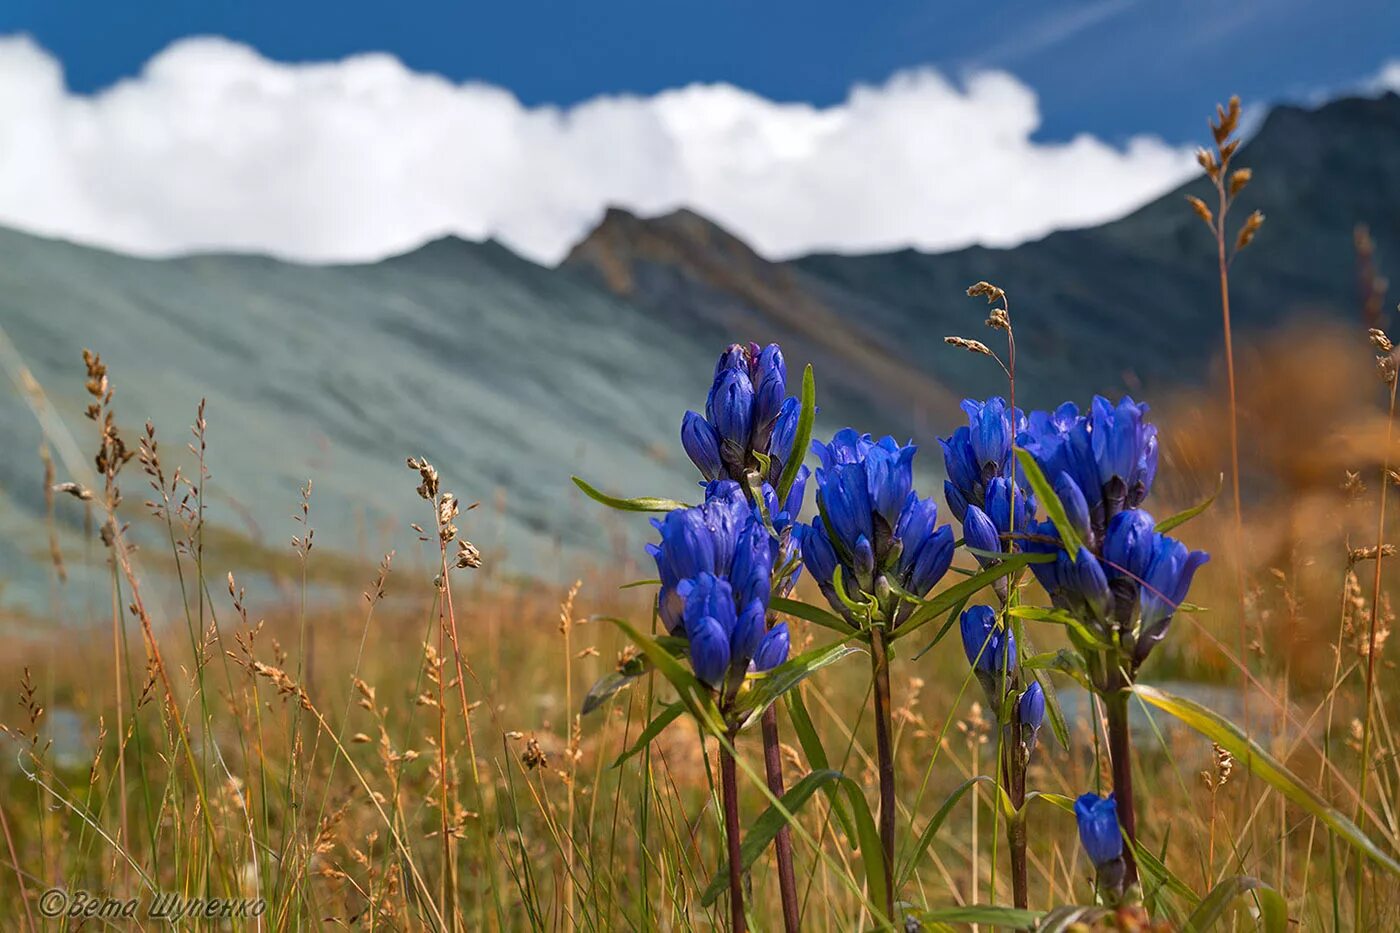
<point x="342" y="130"/>
<point x="1109" y="67"/>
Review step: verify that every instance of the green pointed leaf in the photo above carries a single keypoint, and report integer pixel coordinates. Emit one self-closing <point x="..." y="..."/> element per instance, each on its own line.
<point x="945" y="628"/>
<point x="871" y="855"/>
<point x="809" y="613"/>
<point x="808" y="415"/>
<point x="816" y="756"/>
<point x="1008" y="917"/>
<point x="1054" y="508"/>
<point x="1231" y="738"/>
<point x="940" y="603"/>
<point x="767" y="826"/>
<point x="1157" y="875"/>
<point x="695" y="695"/>
<point x="1181" y="518"/>
<point x="1061" y="617"/>
<point x="762" y="690"/>
<point x="1273" y="909"/>
<point x="628" y="673"/>
<point x="640" y="504"/>
<point x="935" y="823"/>
<point x="635" y="584"/>
<point x="654" y="728"/>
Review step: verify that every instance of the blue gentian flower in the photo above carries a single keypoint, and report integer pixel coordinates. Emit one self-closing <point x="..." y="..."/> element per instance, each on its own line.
<point x="1030" y="710"/>
<point x="715" y="561"/>
<point x="1109" y="455"/>
<point x="873" y="525"/>
<point x="1098" y="828"/>
<point x="974" y="454"/>
<point x="746" y="413"/>
<point x="990" y="648"/>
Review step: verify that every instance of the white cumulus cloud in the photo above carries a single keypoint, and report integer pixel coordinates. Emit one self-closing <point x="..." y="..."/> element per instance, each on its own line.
<point x="213" y="147"/>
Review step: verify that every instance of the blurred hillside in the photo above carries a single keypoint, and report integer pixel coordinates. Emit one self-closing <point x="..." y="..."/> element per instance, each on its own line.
<point x="511" y="376"/>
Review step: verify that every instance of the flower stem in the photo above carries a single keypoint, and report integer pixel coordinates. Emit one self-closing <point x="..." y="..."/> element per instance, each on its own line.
<point x="729" y="788"/>
<point x="1014" y="776"/>
<point x="782" y="843"/>
<point x="1119" y="751"/>
<point x="880" y="672"/>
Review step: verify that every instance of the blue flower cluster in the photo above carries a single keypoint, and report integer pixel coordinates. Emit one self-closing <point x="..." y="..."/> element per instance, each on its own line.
<point x="1127" y="579"/>
<point x="984" y="489"/>
<point x="873" y="526"/>
<point x="716" y="567"/>
<point x="747" y="412"/>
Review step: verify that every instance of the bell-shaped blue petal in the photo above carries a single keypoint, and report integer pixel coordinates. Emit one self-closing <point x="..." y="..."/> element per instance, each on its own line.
<point x="931" y="562"/>
<point x="818" y="555"/>
<point x="989" y="647"/>
<point x="847" y="446"/>
<point x="748" y="632"/>
<point x="730" y="408"/>
<point x="773" y="650"/>
<point x="712" y="598"/>
<point x="709" y="651"/>
<point x="889" y="470"/>
<point x="980" y="533"/>
<point x="1167" y="580"/>
<point x="750" y="573"/>
<point x="1091" y="585"/>
<point x="1098" y="828"/>
<point x="1076" y="506"/>
<point x="845" y="495"/>
<point x="783" y="437"/>
<point x="1129" y="543"/>
<point x="769" y="386"/>
<point x="1030" y="709"/>
<point x="701" y="443"/>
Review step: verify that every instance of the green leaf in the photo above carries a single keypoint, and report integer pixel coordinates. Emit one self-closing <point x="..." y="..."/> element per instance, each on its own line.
<point x="1181" y="518"/>
<point x="810" y="613"/>
<point x="653" y="729"/>
<point x="762" y="690"/>
<point x="808" y="415"/>
<point x="606" y="686"/>
<point x="640" y="504"/>
<point x="958" y="592"/>
<point x="1156" y="871"/>
<point x="1273" y="909"/>
<point x="935" y="823"/>
<point x="1231" y="738"/>
<point x="871" y="854"/>
<point x="816" y="756"/>
<point x="1054" y="508"/>
<point x="695" y="695"/>
<point x="635" y="584"/>
<point x="945" y="628"/>
<point x="988" y="914"/>
<point x="768" y="824"/>
<point x="1061" y="617"/>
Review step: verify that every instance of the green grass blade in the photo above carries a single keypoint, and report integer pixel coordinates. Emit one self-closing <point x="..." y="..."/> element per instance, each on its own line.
<point x="1054" y="508"/>
<point x="937" y="605"/>
<point x="653" y="729"/>
<point x="1181" y="518"/>
<point x="809" y="613"/>
<point x="1273" y="910"/>
<point x="989" y="914"/>
<point x="764" y="689"/>
<point x="816" y="756"/>
<point x="935" y="823"/>
<point x="695" y="695"/>
<point x="1231" y="738"/>
<point x="640" y="504"/>
<point x="766" y="827"/>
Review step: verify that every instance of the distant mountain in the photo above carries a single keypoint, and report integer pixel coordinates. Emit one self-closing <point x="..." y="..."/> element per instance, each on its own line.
<point x="510" y="376"/>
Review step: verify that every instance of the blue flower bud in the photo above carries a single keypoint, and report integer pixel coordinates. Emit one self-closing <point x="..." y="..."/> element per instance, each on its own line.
<point x="783" y="437"/>
<point x="773" y="650"/>
<point x="769" y="386"/>
<point x="980" y="533"/>
<point x="1129" y="544"/>
<point x="818" y="555"/>
<point x="748" y="632"/>
<point x="709" y="651"/>
<point x="863" y="561"/>
<point x="730" y="407"/>
<point x="1092" y="585"/>
<point x="845" y="495"/>
<point x="701" y="443"/>
<point x="1076" y="507"/>
<point x="1030" y="709"/>
<point x="889" y="471"/>
<point x="1098" y="828"/>
<point x="931" y="562"/>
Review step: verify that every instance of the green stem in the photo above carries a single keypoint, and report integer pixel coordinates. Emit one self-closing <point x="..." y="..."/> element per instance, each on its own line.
<point x="880" y="672"/>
